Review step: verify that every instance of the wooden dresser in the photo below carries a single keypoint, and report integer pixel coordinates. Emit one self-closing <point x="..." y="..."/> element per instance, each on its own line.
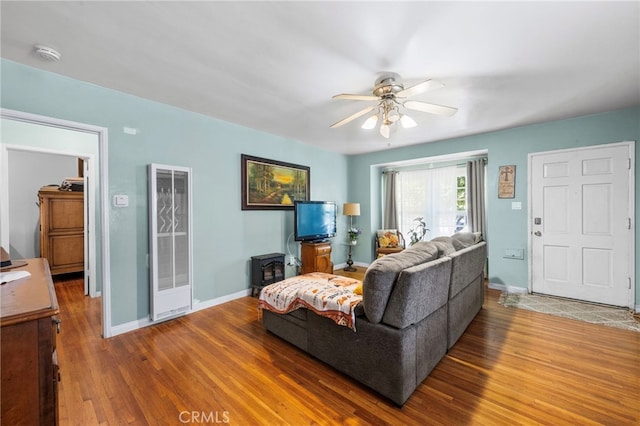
<point x="29" y="375"/>
<point x="316" y="257"/>
<point x="62" y="229"/>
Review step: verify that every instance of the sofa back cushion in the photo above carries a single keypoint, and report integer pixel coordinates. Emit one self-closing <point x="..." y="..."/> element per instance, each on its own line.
<point x="419" y="291"/>
<point x="444" y="245"/>
<point x="382" y="274"/>
<point x="467" y="265"/>
<point x="463" y="240"/>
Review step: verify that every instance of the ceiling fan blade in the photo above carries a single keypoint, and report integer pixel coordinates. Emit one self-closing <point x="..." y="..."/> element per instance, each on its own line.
<point x="416" y="89"/>
<point x="356" y="97"/>
<point x="353" y="116"/>
<point x="430" y="108"/>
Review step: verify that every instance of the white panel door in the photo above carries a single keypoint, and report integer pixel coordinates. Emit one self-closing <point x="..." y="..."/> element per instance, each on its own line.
<point x="581" y="239"/>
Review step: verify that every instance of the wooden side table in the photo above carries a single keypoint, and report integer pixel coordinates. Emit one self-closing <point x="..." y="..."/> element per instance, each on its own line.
<point x="316" y="257"/>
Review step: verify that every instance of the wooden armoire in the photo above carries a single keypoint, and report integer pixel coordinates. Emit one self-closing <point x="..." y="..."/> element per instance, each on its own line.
<point x="62" y="229"/>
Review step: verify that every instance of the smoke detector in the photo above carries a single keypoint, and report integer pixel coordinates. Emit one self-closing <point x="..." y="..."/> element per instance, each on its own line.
<point x="47" y="53"/>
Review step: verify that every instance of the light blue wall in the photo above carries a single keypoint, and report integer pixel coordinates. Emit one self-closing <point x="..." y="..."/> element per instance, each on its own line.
<point x="225" y="237"/>
<point x="507" y="228"/>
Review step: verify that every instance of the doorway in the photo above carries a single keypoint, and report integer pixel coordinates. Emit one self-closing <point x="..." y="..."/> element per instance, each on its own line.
<point x="28" y="132"/>
<point x="580" y="220"/>
<point x="30" y="171"/>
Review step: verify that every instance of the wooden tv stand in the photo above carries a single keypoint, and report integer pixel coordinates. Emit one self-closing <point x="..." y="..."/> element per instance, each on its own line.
<point x="316" y="257"/>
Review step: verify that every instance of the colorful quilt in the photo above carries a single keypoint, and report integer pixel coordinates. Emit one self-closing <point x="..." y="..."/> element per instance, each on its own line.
<point x="328" y="295"/>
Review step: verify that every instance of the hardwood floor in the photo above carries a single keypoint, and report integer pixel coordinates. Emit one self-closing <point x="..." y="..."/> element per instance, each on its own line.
<point x="219" y="366"/>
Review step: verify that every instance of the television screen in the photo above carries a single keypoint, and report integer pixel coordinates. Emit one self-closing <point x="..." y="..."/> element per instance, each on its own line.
<point x="314" y="220"/>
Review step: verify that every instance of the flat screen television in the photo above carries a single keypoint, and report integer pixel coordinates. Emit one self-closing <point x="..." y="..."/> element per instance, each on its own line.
<point x="314" y="220"/>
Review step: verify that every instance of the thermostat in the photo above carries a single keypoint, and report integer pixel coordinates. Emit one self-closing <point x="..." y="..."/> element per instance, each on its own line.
<point x="120" y="200"/>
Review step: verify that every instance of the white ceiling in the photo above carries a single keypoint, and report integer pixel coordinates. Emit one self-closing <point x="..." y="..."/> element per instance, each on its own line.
<point x="274" y="66"/>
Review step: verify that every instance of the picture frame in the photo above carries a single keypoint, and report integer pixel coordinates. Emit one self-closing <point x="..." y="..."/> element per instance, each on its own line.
<point x="272" y="185"/>
<point x="507" y="181"/>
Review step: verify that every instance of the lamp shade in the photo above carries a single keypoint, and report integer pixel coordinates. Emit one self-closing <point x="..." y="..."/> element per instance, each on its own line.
<point x="351" y="209"/>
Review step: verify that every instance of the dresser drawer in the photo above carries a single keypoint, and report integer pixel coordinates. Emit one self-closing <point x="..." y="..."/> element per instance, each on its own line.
<point x="323" y="250"/>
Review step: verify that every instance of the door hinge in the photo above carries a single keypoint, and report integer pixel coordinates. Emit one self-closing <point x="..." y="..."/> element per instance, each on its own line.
<point x="629" y="279"/>
<point x="628" y="223"/>
<point x="629" y="163"/>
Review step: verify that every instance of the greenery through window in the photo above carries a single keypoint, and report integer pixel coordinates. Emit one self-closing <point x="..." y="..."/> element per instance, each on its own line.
<point x="461" y="200"/>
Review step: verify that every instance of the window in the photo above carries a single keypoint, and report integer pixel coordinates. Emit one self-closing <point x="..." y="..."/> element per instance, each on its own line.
<point x="438" y="195"/>
<point x="461" y="199"/>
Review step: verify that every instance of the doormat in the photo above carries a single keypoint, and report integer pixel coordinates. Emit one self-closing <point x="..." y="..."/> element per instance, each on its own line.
<point x="583" y="311"/>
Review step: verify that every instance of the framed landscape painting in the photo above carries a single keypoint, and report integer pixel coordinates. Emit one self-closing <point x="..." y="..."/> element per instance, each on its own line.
<point x="272" y="185"/>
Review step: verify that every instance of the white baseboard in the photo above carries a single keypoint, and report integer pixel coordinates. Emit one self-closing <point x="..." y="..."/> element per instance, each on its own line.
<point x="130" y="326"/>
<point x="197" y="306"/>
<point x="508" y="288"/>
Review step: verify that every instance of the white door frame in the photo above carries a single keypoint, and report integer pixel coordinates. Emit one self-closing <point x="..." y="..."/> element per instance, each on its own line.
<point x="102" y="135"/>
<point x="631" y="249"/>
<point x="89" y="209"/>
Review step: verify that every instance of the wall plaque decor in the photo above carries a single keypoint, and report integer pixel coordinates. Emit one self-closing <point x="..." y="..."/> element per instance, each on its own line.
<point x="507" y="182"/>
<point x="272" y="185"/>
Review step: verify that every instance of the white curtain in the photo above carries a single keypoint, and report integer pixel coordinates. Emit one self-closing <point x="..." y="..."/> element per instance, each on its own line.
<point x="430" y="194"/>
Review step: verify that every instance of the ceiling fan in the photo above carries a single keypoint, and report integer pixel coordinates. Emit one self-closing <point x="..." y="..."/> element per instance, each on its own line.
<point x="390" y="97"/>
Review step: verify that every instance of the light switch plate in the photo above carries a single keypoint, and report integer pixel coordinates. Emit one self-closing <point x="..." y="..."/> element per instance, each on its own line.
<point x="516" y="205"/>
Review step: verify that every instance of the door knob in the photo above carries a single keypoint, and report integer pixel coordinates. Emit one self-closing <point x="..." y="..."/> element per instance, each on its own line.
<point x="537" y="233"/>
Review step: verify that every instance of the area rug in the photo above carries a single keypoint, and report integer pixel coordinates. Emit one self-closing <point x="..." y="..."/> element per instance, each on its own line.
<point x="567" y="308"/>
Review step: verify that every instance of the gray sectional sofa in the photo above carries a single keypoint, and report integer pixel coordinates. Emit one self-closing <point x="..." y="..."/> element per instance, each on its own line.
<point x="416" y="304"/>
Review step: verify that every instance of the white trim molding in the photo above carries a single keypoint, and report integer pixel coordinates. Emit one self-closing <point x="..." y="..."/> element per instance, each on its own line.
<point x="508" y="288"/>
<point x="197" y="306"/>
<point x="103" y="178"/>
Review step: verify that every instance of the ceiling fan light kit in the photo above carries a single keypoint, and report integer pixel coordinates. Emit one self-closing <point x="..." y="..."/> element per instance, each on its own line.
<point x="370" y="122"/>
<point x="407" y="122"/>
<point x="385" y="130"/>
<point x="388" y="94"/>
